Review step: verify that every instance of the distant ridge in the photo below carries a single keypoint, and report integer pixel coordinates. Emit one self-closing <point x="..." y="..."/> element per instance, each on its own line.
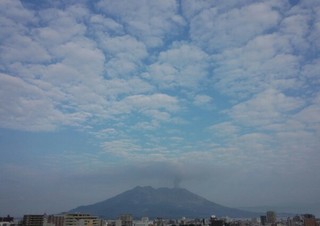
<point x="161" y="202"/>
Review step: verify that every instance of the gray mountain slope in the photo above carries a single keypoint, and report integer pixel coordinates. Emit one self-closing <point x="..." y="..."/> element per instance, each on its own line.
<point x="161" y="202"/>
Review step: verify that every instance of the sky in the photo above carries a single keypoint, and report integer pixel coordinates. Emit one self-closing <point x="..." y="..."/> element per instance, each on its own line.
<point x="219" y="97"/>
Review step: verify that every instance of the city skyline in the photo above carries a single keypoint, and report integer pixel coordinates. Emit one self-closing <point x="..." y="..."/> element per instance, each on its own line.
<point x="220" y="97"/>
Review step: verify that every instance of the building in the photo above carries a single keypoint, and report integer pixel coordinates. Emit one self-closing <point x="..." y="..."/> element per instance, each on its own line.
<point x="81" y="220"/>
<point x="309" y="220"/>
<point x="126" y="220"/>
<point x="263" y="220"/>
<point x="214" y="221"/>
<point x="143" y="222"/>
<point x="33" y="220"/>
<point x="159" y="222"/>
<point x="6" y="219"/>
<point x="271" y="217"/>
<point x="6" y="223"/>
<point x="54" y="220"/>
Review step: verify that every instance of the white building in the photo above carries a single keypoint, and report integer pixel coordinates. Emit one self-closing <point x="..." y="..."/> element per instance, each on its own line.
<point x="143" y="222"/>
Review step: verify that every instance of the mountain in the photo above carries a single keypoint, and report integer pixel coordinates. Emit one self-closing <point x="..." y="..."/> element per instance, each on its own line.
<point x="171" y="203"/>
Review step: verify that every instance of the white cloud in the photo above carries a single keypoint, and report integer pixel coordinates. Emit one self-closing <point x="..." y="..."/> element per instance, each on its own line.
<point x="303" y="23"/>
<point x="315" y="34"/>
<point x="310" y="116"/>
<point x="101" y="23"/>
<point x="296" y="28"/>
<point x="71" y="84"/>
<point x="82" y="55"/>
<point x="216" y="31"/>
<point x="158" y="115"/>
<point x="192" y="8"/>
<point x="253" y="145"/>
<point x="150" y="21"/>
<point x="225" y="128"/>
<point x="15" y="11"/>
<point x="266" y="61"/>
<point x="311" y="72"/>
<point x="58" y="27"/>
<point x="27" y="107"/>
<point x="268" y="107"/>
<point x="130" y="149"/>
<point x="19" y="48"/>
<point x="125" y="46"/>
<point x="132" y="85"/>
<point x="107" y="133"/>
<point x="125" y="148"/>
<point x="183" y="66"/>
<point x="224" y="133"/>
<point x="125" y="53"/>
<point x="202" y="100"/>
<point x="154" y="101"/>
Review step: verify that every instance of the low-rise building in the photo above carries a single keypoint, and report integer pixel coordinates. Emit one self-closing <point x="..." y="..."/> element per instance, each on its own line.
<point x="33" y="220"/>
<point x="81" y="220"/>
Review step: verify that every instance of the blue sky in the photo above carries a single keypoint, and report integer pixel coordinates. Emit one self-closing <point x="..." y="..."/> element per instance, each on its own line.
<point x="100" y="96"/>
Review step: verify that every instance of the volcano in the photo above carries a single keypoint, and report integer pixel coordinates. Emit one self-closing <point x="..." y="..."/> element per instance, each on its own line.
<point x="170" y="203"/>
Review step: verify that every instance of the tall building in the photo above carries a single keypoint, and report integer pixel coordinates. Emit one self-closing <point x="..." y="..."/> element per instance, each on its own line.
<point x="309" y="220"/>
<point x="263" y="220"/>
<point x="81" y="220"/>
<point x="33" y="220"/>
<point x="271" y="217"/>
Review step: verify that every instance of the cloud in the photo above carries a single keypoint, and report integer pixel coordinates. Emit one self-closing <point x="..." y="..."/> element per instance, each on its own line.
<point x="267" y="107"/>
<point x="309" y="115"/>
<point x="17" y="12"/>
<point x="191" y="8"/>
<point x="27" y="107"/>
<point x="296" y="27"/>
<point x="310" y="72"/>
<point x="82" y="55"/>
<point x="125" y="46"/>
<point x="24" y="50"/>
<point x="125" y="53"/>
<point x="158" y="115"/>
<point x="154" y="101"/>
<point x="101" y="23"/>
<point x="150" y="22"/>
<point x="303" y="22"/>
<point x="71" y="83"/>
<point x="136" y="152"/>
<point x="183" y="66"/>
<point x="315" y="34"/>
<point x="224" y="130"/>
<point x="265" y="62"/>
<point x="59" y="26"/>
<point x="125" y="148"/>
<point x="202" y="100"/>
<point x="232" y="28"/>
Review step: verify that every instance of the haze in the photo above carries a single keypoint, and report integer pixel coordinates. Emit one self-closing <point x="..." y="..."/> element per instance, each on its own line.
<point x="220" y="97"/>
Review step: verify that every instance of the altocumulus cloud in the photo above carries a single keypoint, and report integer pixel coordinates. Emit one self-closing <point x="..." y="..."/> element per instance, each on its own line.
<point x="220" y="96"/>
